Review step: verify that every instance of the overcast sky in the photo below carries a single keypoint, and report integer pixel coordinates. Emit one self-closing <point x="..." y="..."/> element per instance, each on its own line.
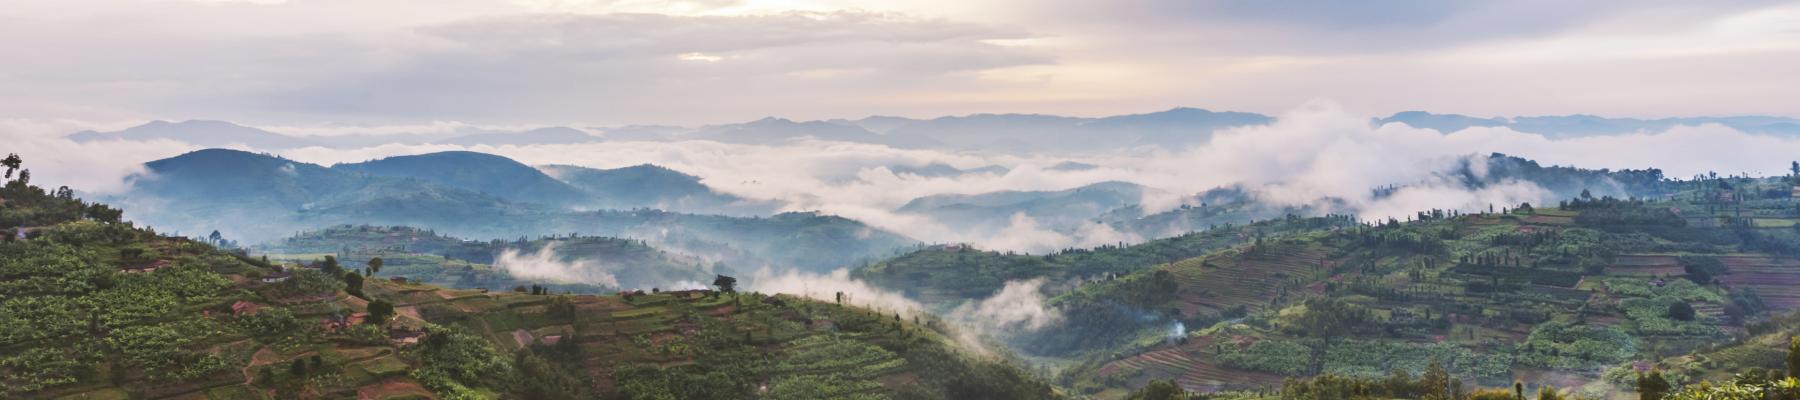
<point x="598" y="62"/>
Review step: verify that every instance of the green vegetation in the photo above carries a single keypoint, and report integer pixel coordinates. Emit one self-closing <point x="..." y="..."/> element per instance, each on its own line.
<point x="95" y="308"/>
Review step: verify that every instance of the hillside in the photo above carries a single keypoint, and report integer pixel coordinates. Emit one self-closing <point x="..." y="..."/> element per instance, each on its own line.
<point x="1571" y="297"/>
<point x="993" y="211"/>
<point x="98" y="308"/>
<point x="477" y="172"/>
<point x="581" y="264"/>
<point x="946" y="275"/>
<point x="651" y="186"/>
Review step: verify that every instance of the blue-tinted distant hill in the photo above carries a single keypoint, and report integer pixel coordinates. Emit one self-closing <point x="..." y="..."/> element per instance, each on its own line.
<point x="551" y="135"/>
<point x="201" y="133"/>
<point x="479" y="172"/>
<point x="253" y="197"/>
<point x="651" y="186"/>
<point x="1564" y="126"/>
<point x="258" y="196"/>
<point x="1057" y="209"/>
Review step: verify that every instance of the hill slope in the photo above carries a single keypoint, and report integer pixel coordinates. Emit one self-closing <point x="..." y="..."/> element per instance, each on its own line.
<point x="97" y="308"/>
<point x="477" y="172"/>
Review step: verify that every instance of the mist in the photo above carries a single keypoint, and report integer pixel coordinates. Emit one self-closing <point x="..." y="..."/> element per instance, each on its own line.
<point x="545" y="264"/>
<point x="1318" y="155"/>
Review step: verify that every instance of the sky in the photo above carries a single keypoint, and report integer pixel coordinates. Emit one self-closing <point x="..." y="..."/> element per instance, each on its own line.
<point x="691" y="62"/>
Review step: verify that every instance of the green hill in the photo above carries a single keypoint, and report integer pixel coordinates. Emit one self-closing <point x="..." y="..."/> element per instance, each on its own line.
<point x="98" y="308"/>
<point x="266" y="198"/>
<point x="1569" y="297"/>
<point x="424" y="256"/>
<point x="476" y="172"/>
<point x="651" y="186"/>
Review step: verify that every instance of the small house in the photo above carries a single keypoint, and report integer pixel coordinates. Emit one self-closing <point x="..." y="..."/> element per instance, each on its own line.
<point x="146" y="267"/>
<point x="244" y="308"/>
<point x="335" y="322"/>
<point x="277" y="277"/>
<point x="402" y="336"/>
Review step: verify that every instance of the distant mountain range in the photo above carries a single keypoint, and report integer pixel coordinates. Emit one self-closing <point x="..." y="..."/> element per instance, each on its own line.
<point x="1054" y="209"/>
<point x="255" y="197"/>
<point x="1022" y="133"/>
<point x="1566" y="126"/>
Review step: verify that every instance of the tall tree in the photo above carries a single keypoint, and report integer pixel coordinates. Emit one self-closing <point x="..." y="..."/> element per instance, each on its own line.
<point x="379" y="312"/>
<point x="1793" y="359"/>
<point x="374" y="265"/>
<point x="1652" y="386"/>
<point x="12" y="163"/>
<point x="1435" y="383"/>
<point x="726" y="284"/>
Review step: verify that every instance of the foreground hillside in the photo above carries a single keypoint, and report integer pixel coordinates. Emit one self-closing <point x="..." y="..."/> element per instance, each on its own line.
<point x="98" y="308"/>
<point x="1582" y="298"/>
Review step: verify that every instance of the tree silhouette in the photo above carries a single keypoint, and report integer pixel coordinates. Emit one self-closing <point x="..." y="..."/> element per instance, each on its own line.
<point x="1793" y="358"/>
<point x="12" y="163"/>
<point x="374" y="266"/>
<point x="726" y="284"/>
<point x="379" y="312"/>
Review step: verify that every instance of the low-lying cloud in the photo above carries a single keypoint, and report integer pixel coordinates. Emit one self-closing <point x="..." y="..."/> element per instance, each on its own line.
<point x="1018" y="307"/>
<point x="1317" y="154"/>
<point x="545" y="264"/>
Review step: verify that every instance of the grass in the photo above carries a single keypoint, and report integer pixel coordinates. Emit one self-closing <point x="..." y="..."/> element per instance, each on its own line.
<point x="111" y="393"/>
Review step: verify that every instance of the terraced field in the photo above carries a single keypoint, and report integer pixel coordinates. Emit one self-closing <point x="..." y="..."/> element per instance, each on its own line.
<point x="1645" y="265"/>
<point x="1233" y="278"/>
<point x="1192" y="365"/>
<point x="1773" y="279"/>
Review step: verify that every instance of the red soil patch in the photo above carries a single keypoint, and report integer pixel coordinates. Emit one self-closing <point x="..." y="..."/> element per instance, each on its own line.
<point x="391" y="388"/>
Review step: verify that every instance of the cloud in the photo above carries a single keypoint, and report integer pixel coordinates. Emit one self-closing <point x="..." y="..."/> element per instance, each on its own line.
<point x="1018" y="306"/>
<point x="1316" y="152"/>
<point x="545" y="264"/>
<point x="92" y="167"/>
<point x="827" y="287"/>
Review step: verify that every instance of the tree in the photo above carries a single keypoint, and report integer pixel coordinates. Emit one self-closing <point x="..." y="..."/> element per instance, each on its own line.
<point x="297" y="368"/>
<point x="1548" y="393"/>
<point x="330" y="266"/>
<point x="1681" y="311"/>
<point x="1652" y="386"/>
<point x="353" y="284"/>
<point x="1435" y="383"/>
<point x="1793" y="358"/>
<point x="1159" y="390"/>
<point x="216" y="237"/>
<point x="379" y="312"/>
<point x="374" y="266"/>
<point x="12" y="163"/>
<point x="265" y="375"/>
<point x="726" y="284"/>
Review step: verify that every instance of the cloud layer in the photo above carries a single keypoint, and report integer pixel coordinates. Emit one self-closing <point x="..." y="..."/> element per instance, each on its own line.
<point x="1316" y="152"/>
<point x="604" y="62"/>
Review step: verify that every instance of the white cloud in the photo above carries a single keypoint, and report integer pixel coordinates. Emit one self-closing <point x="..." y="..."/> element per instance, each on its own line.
<point x="92" y="167"/>
<point x="545" y="264"/>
